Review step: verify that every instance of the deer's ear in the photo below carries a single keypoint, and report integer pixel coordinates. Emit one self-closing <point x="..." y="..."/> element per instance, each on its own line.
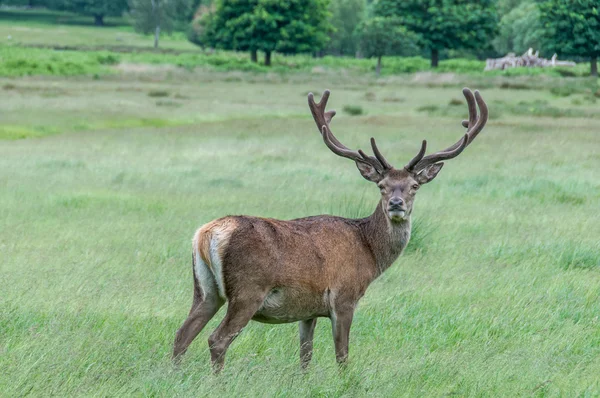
<point x="429" y="173"/>
<point x="369" y="172"/>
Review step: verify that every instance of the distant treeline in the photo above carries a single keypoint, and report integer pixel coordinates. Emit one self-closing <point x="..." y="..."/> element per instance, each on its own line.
<point x="438" y="29"/>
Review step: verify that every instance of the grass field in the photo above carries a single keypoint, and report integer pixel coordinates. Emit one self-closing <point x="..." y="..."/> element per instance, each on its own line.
<point x="50" y="28"/>
<point x="498" y="293"/>
<point x="110" y="162"/>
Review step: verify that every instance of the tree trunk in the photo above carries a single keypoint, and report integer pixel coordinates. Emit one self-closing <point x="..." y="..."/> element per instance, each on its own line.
<point x="267" y="58"/>
<point x="594" y="66"/>
<point x="157" y="19"/>
<point x="254" y="56"/>
<point x="434" y="57"/>
<point x="156" y="36"/>
<point x="99" y="20"/>
<point x="378" y="69"/>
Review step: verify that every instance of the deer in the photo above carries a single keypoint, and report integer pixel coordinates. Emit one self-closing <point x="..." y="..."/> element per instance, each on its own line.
<point x="275" y="271"/>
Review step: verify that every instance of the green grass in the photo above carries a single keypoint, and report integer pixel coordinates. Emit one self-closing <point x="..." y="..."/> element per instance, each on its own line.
<point x="58" y="29"/>
<point x="83" y="60"/>
<point x="497" y="294"/>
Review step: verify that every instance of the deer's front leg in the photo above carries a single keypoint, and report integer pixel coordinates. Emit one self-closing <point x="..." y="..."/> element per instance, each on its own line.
<point x="341" y="320"/>
<point x="307" y="331"/>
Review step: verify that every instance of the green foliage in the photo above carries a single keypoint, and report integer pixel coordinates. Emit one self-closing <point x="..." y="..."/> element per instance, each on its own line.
<point x="155" y="16"/>
<point x="19" y="61"/>
<point x="506" y="6"/>
<point x="456" y="24"/>
<point x="288" y="27"/>
<point x="520" y="29"/>
<point x="96" y="8"/>
<point x="23" y="62"/>
<point x="158" y="93"/>
<point x="573" y="27"/>
<point x="227" y="25"/>
<point x="346" y="15"/>
<point x="24" y="3"/>
<point x="381" y="36"/>
<point x="458" y="65"/>
<point x="353" y="110"/>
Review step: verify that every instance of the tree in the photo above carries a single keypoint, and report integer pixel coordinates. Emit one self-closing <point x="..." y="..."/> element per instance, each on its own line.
<point x="286" y="26"/>
<point x="506" y="6"/>
<point x="573" y="28"/>
<point x="444" y="24"/>
<point x="381" y="36"/>
<point x="228" y="25"/>
<point x="154" y="16"/>
<point x="96" y="8"/>
<point x="346" y="15"/>
<point x="520" y="29"/>
<point x="291" y="26"/>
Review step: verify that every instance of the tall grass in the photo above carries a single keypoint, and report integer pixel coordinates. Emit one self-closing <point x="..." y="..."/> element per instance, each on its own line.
<point x="496" y="295"/>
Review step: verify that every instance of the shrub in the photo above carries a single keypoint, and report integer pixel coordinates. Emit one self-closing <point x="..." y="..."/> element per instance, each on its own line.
<point x="18" y="61"/>
<point x="394" y="99"/>
<point x="563" y="91"/>
<point x="370" y="96"/>
<point x="107" y="59"/>
<point x="169" y="103"/>
<point x="353" y="110"/>
<point x="158" y="93"/>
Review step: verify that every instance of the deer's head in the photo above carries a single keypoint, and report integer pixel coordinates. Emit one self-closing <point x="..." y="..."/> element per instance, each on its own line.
<point x="399" y="186"/>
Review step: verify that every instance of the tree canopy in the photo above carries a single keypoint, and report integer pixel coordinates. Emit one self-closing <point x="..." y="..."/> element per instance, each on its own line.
<point x="573" y="28"/>
<point x="444" y="24"/>
<point x="520" y="29"/>
<point x="286" y="26"/>
<point x="346" y="15"/>
<point x="381" y="36"/>
<point x="154" y="16"/>
<point x="95" y="8"/>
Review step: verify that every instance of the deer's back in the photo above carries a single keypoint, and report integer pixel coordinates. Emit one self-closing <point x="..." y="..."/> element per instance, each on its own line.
<point x="301" y="262"/>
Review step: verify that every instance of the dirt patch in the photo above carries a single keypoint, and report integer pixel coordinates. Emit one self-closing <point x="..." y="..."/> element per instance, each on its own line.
<point x="439" y="78"/>
<point x="127" y="67"/>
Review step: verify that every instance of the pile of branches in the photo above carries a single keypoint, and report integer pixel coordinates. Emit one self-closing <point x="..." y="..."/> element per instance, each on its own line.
<point x="527" y="60"/>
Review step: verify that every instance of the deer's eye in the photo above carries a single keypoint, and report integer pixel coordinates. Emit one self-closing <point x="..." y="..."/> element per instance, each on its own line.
<point x="415" y="187"/>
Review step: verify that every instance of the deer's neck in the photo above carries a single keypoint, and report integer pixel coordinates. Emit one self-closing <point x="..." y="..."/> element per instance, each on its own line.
<point x="386" y="240"/>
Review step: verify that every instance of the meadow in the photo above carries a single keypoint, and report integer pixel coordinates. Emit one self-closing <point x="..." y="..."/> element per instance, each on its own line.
<point x="104" y="179"/>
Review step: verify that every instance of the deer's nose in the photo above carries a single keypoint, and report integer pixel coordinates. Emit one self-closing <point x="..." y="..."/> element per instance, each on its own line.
<point x="396" y="202"/>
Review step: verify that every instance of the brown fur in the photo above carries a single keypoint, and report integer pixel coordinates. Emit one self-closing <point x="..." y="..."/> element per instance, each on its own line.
<point x="277" y="271"/>
<point x="223" y="227"/>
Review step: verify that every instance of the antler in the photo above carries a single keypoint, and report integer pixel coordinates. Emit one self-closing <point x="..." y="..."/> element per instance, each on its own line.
<point x="474" y="126"/>
<point x="322" y="119"/>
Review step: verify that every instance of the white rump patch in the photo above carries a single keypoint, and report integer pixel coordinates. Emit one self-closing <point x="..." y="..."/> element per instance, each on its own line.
<point x="211" y="281"/>
<point x="205" y="277"/>
<point x="216" y="262"/>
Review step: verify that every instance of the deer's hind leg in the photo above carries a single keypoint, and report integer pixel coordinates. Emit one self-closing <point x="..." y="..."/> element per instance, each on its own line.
<point x="205" y="305"/>
<point x="239" y="312"/>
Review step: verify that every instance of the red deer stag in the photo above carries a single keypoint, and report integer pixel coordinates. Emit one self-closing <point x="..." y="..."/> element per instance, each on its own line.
<point x="277" y="271"/>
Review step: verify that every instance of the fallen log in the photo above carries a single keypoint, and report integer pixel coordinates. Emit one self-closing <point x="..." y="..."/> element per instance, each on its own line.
<point x="527" y="60"/>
